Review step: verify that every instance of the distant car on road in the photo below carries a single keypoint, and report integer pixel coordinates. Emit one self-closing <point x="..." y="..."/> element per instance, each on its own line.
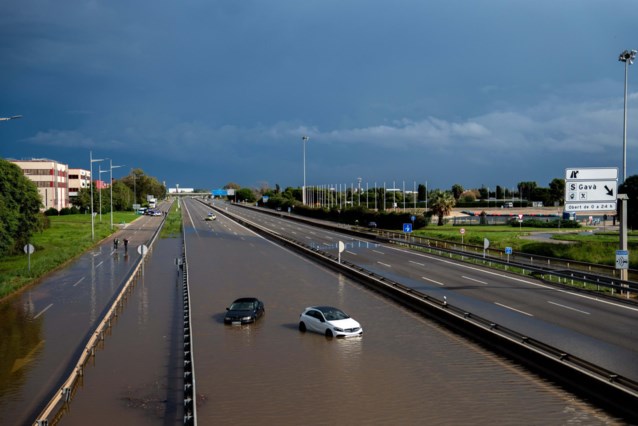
<point x="372" y="225"/>
<point x="211" y="216"/>
<point x="329" y="321"/>
<point x="244" y="311"/>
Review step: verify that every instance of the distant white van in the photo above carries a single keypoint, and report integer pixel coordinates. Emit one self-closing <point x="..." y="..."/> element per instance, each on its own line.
<point x="508" y="205"/>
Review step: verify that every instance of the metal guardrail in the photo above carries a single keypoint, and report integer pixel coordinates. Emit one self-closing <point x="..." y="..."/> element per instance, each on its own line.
<point x="609" y="388"/>
<point x="59" y="404"/>
<point x="629" y="289"/>
<point x="551" y="263"/>
<point x="565" y="269"/>
<point x="190" y="390"/>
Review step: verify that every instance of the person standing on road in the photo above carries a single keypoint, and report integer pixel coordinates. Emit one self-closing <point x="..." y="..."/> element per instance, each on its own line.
<point x="115" y="243"/>
<point x="125" y="245"/>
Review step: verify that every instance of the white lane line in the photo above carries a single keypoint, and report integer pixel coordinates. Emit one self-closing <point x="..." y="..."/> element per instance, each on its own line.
<point x="99" y="264"/>
<point x="377" y="251"/>
<point x="568" y="307"/>
<point x="351" y="252"/>
<point x="384" y="264"/>
<point x="43" y="311"/>
<point x="432" y="281"/>
<point x="417" y="263"/>
<point x="513" y="309"/>
<point x="517" y="279"/>
<point x="79" y="281"/>
<point x="474" y="279"/>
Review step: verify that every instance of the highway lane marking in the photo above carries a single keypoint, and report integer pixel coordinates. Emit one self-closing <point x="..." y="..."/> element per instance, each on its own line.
<point x="351" y="252"/>
<point x="191" y="219"/>
<point x="513" y="309"/>
<point x="568" y="307"/>
<point x="473" y="279"/>
<point x="79" y="281"/>
<point x="432" y="281"/>
<point x="377" y="251"/>
<point x="43" y="311"/>
<point x="384" y="264"/>
<point x="417" y="263"/>
<point x="520" y="280"/>
<point x="99" y="264"/>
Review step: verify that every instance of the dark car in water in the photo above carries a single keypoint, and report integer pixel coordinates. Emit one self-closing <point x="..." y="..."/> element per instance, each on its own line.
<point x="244" y="311"/>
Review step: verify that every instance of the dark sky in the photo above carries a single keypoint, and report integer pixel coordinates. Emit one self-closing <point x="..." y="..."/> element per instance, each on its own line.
<point x="202" y="93"/>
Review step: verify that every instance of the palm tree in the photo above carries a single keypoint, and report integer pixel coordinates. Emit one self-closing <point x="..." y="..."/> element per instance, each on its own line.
<point x="441" y="204"/>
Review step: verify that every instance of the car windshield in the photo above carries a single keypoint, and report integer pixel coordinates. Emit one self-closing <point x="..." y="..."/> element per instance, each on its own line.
<point x="334" y="315"/>
<point x="241" y="306"/>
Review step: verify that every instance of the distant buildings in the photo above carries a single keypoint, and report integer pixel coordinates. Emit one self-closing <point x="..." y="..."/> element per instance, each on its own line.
<point x="180" y="190"/>
<point x="56" y="182"/>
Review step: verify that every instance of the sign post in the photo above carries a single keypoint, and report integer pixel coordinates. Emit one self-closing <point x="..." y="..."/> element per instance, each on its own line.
<point x="342" y="247"/>
<point x="28" y="249"/>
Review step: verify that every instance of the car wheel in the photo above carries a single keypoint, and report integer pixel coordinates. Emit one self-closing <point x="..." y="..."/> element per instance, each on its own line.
<point x="302" y="327"/>
<point x="329" y="333"/>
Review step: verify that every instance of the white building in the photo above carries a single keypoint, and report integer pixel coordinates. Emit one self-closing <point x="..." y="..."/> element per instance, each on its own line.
<point x="78" y="179"/>
<point x="51" y="178"/>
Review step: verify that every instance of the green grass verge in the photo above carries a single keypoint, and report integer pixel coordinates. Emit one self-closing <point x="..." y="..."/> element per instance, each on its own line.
<point x="68" y="237"/>
<point x="599" y="247"/>
<point x="173" y="226"/>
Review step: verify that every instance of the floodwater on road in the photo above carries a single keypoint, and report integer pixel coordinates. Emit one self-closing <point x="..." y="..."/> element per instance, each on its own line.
<point x="404" y="370"/>
<point x="135" y="378"/>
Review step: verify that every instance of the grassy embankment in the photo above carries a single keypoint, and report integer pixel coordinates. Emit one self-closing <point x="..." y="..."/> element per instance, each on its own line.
<point x="68" y="237"/>
<point x="597" y="247"/>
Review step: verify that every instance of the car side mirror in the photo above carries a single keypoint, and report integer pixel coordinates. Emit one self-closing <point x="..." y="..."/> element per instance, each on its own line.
<point x="228" y="309"/>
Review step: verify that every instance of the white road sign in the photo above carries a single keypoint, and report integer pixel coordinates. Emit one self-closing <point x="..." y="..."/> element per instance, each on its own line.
<point x="592" y="173"/>
<point x="602" y="190"/>
<point x="591" y="189"/>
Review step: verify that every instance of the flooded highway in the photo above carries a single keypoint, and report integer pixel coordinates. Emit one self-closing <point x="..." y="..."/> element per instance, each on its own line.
<point x="404" y="370"/>
<point x="43" y="327"/>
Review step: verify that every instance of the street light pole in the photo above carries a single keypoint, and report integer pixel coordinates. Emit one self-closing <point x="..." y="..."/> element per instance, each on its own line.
<point x="303" y="191"/>
<point x="628" y="57"/>
<point x="91" y="161"/>
<point x="100" y="171"/>
<point x="111" y="185"/>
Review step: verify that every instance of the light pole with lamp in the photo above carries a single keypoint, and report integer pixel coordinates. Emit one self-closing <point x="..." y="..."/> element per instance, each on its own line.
<point x="92" y="160"/>
<point x="303" y="192"/>
<point x="628" y="57"/>
<point x="111" y="184"/>
<point x="99" y="175"/>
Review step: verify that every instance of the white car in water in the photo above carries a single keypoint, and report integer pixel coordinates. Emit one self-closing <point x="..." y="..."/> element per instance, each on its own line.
<point x="329" y="321"/>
